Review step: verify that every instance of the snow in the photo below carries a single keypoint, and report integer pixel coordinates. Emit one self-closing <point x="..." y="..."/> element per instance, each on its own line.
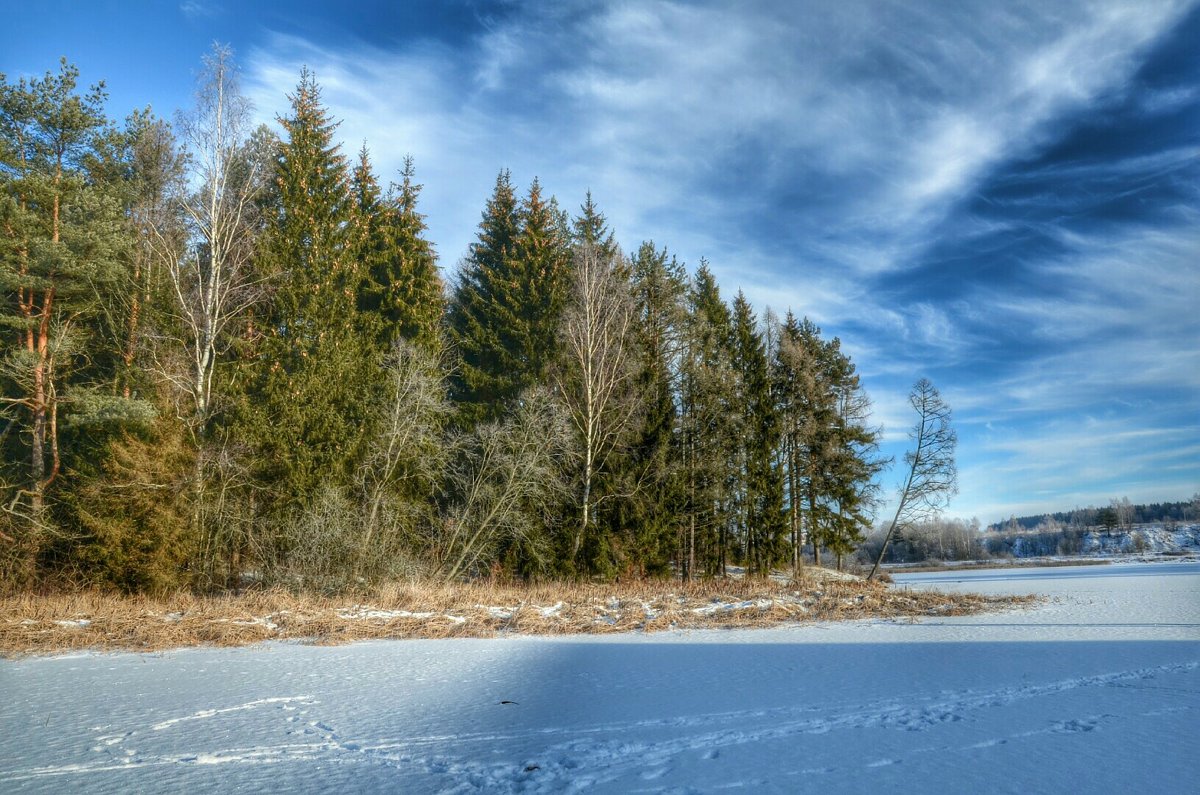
<point x="1097" y="689"/>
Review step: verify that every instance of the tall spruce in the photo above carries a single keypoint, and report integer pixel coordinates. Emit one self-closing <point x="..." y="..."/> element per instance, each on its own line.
<point x="313" y="399"/>
<point x="761" y="504"/>
<point x="480" y="307"/>
<point x="830" y="452"/>
<point x="647" y="520"/>
<point x="505" y="311"/>
<point x="400" y="288"/>
<point x="708" y="429"/>
<point x="590" y="228"/>
<point x="854" y="460"/>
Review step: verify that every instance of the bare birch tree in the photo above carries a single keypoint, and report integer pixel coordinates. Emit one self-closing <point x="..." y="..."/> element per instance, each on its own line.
<point x="597" y="381"/>
<point x="932" y="475"/>
<point x="210" y="275"/>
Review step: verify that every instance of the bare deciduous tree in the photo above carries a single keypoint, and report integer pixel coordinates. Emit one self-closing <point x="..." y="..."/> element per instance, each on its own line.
<point x="932" y="475"/>
<point x="404" y="462"/>
<point x="597" y="381"/>
<point x="1124" y="510"/>
<point x="209" y="273"/>
<point x="504" y="472"/>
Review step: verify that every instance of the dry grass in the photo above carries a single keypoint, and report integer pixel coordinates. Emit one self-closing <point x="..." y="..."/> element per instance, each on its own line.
<point x="31" y="624"/>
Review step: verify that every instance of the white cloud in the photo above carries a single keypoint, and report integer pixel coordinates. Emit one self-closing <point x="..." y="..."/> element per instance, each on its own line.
<point x="807" y="150"/>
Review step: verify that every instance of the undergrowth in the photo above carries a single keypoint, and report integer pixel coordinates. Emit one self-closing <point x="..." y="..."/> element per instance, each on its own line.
<point x="61" y="622"/>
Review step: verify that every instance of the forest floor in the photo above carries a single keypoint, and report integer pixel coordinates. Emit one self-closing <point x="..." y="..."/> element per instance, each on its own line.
<point x="33" y="624"/>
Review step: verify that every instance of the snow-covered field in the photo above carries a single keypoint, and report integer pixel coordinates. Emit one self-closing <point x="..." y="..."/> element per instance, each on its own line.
<point x="1097" y="690"/>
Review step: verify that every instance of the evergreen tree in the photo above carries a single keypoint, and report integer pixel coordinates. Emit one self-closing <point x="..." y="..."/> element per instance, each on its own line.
<point x="417" y="286"/>
<point x="310" y="409"/>
<point x="709" y="427"/>
<point x="855" y="459"/>
<point x="400" y="287"/>
<point x="62" y="251"/>
<point x="830" y="453"/>
<point x="590" y="228"/>
<point x="505" y="311"/>
<point x="648" y="519"/>
<point x="481" y="307"/>
<point x="761" y="508"/>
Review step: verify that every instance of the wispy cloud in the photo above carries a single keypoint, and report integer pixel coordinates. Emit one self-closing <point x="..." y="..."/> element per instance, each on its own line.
<point x="194" y="9"/>
<point x="942" y="185"/>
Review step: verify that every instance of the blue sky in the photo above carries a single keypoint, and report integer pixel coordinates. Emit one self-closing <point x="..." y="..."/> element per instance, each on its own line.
<point x="1002" y="197"/>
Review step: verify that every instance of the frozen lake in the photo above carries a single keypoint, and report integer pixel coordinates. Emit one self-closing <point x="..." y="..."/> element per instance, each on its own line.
<point x="1096" y="690"/>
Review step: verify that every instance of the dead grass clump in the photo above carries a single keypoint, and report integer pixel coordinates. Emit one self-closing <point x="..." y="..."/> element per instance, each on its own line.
<point x="91" y="620"/>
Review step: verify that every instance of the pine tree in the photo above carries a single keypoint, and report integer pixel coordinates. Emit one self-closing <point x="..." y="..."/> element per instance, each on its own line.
<point x="62" y="252"/>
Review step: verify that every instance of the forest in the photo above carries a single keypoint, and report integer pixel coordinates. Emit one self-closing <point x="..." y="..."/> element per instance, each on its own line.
<point x="232" y="358"/>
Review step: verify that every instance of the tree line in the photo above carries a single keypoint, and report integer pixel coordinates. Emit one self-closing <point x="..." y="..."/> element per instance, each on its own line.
<point x="230" y="356"/>
<point x="1119" y="512"/>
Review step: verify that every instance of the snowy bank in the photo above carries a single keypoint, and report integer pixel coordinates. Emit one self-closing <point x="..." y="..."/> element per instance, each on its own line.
<point x="1094" y="690"/>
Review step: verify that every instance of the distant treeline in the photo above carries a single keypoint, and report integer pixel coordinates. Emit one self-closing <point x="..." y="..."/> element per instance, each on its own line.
<point x="955" y="539"/>
<point x="230" y="357"/>
<point x="1184" y="510"/>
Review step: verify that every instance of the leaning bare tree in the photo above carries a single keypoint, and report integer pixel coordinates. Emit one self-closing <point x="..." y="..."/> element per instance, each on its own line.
<point x="932" y="475"/>
<point x="597" y="381"/>
<point x="210" y="274"/>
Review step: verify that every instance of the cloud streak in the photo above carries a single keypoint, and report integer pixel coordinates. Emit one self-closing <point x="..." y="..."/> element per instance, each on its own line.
<point x="1001" y="196"/>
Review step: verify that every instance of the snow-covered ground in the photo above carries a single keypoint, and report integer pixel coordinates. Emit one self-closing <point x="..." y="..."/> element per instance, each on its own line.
<point x="1096" y="690"/>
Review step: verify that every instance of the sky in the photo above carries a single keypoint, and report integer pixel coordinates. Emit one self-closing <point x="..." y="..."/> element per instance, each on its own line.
<point x="1001" y="197"/>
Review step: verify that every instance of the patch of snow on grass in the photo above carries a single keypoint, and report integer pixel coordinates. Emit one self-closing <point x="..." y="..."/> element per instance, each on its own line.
<point x="723" y="607"/>
<point x="553" y="610"/>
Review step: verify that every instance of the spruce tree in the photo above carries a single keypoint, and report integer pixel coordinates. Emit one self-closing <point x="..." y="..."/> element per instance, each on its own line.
<point x="311" y="404"/>
<point x="830" y="452"/>
<point x="480" y="308"/>
<point x="506" y="307"/>
<point x="709" y="427"/>
<point x="400" y="288"/>
<point x="590" y="228"/>
<point x="762" y="483"/>
<point x="416" y="295"/>
<point x="649" y="517"/>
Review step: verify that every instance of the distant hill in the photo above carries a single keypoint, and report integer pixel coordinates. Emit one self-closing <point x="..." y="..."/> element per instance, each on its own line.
<point x="1164" y="512"/>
